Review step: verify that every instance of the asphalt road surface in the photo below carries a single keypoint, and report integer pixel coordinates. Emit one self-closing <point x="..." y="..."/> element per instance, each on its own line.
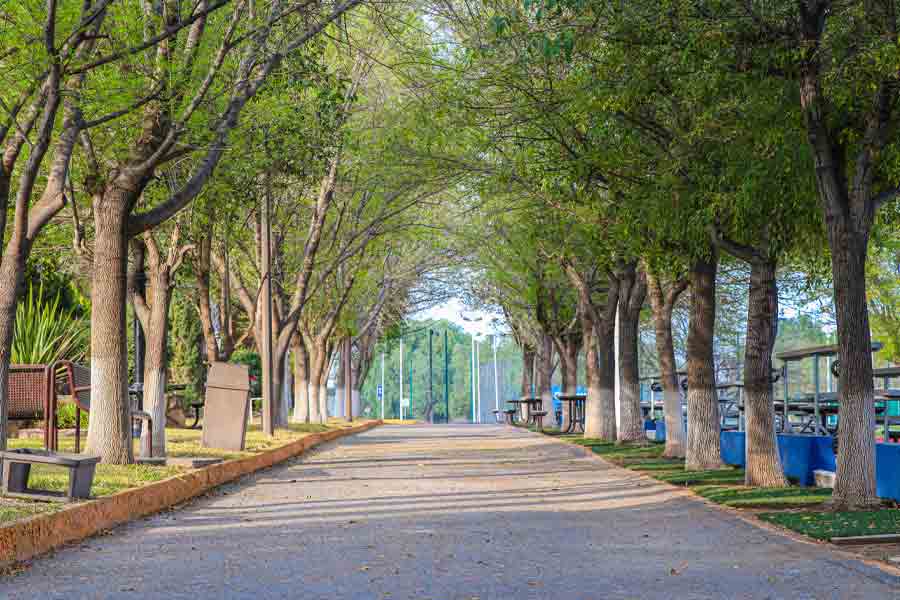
<point x="446" y="513"/>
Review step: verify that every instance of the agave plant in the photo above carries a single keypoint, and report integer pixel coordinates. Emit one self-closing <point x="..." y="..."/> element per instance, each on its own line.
<point x="46" y="332"/>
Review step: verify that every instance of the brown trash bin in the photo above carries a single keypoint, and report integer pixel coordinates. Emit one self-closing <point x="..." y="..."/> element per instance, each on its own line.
<point x="227" y="406"/>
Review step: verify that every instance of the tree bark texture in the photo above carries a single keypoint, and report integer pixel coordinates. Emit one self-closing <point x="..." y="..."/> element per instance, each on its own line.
<point x="845" y="186"/>
<point x="763" y="463"/>
<point x="545" y="376"/>
<point x="663" y="303"/>
<point x="109" y="421"/>
<point x="632" y="292"/>
<point x="301" y="381"/>
<point x="855" y="478"/>
<point x="598" y="331"/>
<point x="703" y="443"/>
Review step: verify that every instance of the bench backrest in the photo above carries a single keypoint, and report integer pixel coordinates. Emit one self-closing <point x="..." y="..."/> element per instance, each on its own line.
<point x="28" y="390"/>
<point x="72" y="379"/>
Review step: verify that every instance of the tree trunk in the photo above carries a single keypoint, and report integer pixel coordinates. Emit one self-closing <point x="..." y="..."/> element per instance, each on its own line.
<point x="201" y="274"/>
<point x="762" y="459"/>
<point x="12" y="271"/>
<point x="301" y="381"/>
<point x="340" y="400"/>
<point x="545" y="376"/>
<point x="662" y="304"/>
<point x="283" y="416"/>
<point x="854" y="484"/>
<point x="156" y="332"/>
<point x="528" y="359"/>
<point x="568" y="349"/>
<point x="850" y="210"/>
<point x="109" y="424"/>
<point x="318" y="379"/>
<point x="603" y="414"/>
<point x="703" y="443"/>
<point x="632" y="291"/>
<point x="592" y="372"/>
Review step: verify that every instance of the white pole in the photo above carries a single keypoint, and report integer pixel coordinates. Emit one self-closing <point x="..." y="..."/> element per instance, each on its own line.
<point x="383" y="391"/>
<point x="401" y="379"/>
<point x="616" y="387"/>
<point x="496" y="378"/>
<point x="478" y="371"/>
<point x="473" y="379"/>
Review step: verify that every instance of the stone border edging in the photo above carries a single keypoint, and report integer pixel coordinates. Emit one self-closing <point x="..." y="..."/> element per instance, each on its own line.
<point x="38" y="534"/>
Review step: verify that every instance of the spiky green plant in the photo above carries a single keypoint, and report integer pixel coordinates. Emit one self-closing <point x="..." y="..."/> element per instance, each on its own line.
<point x="46" y="332"/>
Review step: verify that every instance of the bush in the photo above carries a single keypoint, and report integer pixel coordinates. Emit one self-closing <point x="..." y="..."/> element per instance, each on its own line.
<point x="46" y="332"/>
<point x="252" y="360"/>
<point x="65" y="416"/>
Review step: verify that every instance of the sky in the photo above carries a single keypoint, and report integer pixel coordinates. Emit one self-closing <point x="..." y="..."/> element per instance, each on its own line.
<point x="454" y="310"/>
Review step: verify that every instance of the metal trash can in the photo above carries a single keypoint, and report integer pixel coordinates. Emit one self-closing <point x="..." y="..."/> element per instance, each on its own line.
<point x="227" y="407"/>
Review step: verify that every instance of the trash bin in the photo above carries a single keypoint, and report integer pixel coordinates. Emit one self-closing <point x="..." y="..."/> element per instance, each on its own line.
<point x="227" y="406"/>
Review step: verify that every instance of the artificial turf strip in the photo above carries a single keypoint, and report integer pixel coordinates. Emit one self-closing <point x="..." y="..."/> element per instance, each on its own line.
<point x="827" y="525"/>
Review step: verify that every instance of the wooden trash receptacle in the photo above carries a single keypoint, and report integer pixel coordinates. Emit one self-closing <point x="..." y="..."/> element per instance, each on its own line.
<point x="227" y="406"/>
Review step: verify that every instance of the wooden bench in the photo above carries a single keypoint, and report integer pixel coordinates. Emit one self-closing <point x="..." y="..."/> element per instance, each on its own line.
<point x="17" y="469"/>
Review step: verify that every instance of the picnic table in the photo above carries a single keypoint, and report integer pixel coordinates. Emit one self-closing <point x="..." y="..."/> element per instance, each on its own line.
<point x="518" y="408"/>
<point x="815" y="353"/>
<point x="535" y="412"/>
<point x="576" y="403"/>
<point x="731" y="400"/>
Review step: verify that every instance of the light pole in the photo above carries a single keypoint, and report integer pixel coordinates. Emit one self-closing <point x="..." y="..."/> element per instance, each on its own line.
<point x="383" y="391"/>
<point x="473" y="364"/>
<point x="401" y="378"/>
<point x="478" y="377"/>
<point x="472" y="371"/>
<point x="496" y="375"/>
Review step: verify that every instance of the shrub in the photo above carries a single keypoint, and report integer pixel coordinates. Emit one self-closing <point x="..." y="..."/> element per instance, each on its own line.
<point x="65" y="416"/>
<point x="46" y="332"/>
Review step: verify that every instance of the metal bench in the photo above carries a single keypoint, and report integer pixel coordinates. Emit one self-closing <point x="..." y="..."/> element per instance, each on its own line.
<point x="17" y="469"/>
<point x="73" y="381"/>
<point x="28" y="395"/>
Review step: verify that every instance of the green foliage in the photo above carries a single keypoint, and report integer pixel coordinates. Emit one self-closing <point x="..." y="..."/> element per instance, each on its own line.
<point x="185" y="363"/>
<point x="244" y="356"/>
<point x="45" y="332"/>
<point x="65" y="415"/>
<point x="884" y="299"/>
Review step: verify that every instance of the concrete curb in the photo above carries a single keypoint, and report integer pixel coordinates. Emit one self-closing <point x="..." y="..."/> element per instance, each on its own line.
<point x="741" y="514"/>
<point x="26" y="539"/>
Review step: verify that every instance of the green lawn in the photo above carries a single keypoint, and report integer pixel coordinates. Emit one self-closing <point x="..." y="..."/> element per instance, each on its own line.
<point x="798" y="508"/>
<point x="110" y="479"/>
<point x="826" y="525"/>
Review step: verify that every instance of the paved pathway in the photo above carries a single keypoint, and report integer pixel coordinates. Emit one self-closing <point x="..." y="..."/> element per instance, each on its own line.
<point x="446" y="513"/>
